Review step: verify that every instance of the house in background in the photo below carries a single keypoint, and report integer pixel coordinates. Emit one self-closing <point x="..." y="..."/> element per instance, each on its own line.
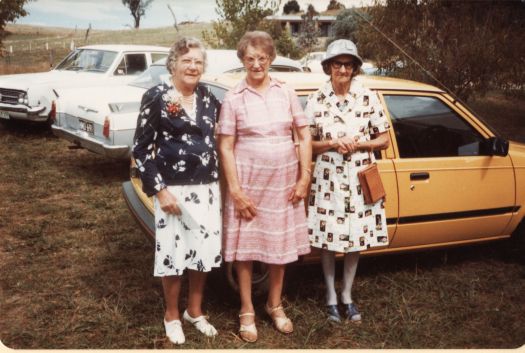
<point x="294" y="23"/>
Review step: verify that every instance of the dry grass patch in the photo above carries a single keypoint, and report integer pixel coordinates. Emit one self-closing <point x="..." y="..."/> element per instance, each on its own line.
<point x="77" y="273"/>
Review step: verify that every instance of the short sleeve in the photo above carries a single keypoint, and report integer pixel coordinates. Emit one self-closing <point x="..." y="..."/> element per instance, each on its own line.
<point x="299" y="119"/>
<point x="378" y="120"/>
<point x="227" y="119"/>
<point x="309" y="113"/>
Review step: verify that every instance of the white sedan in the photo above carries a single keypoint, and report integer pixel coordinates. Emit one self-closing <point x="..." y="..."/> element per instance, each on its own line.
<point x="31" y="96"/>
<point x="103" y="119"/>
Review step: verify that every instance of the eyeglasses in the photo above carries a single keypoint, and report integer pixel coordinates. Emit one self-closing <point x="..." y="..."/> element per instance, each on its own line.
<point x="336" y="64"/>
<point x="250" y="61"/>
<point x="188" y="62"/>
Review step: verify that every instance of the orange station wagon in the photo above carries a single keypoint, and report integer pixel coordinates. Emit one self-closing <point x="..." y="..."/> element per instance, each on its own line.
<point x="450" y="179"/>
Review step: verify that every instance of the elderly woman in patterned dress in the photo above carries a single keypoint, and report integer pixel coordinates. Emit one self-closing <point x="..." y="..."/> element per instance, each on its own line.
<point x="175" y="152"/>
<point x="343" y="117"/>
<point x="264" y="216"/>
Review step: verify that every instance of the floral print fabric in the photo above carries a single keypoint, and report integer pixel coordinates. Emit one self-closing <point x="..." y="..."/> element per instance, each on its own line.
<point x="170" y="147"/>
<point x="193" y="239"/>
<point x="338" y="218"/>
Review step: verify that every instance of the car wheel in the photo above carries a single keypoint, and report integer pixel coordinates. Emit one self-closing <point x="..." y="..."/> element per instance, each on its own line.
<point x="259" y="278"/>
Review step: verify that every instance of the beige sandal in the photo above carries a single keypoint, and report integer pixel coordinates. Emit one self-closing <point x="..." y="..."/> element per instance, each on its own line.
<point x="282" y="323"/>
<point x="248" y="332"/>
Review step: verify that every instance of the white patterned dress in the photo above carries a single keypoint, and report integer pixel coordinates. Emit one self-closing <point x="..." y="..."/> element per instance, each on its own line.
<point x="338" y="218"/>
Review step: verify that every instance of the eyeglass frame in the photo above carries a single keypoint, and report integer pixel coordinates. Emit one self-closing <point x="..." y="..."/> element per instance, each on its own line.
<point x="336" y="64"/>
<point x="186" y="62"/>
<point x="262" y="60"/>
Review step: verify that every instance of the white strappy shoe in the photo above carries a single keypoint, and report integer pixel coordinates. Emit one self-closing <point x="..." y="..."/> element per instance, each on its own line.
<point x="174" y="331"/>
<point x="282" y="323"/>
<point x="201" y="323"/>
<point x="248" y="332"/>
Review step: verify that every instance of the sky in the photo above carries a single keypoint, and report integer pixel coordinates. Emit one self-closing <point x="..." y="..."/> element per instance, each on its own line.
<point x="112" y="14"/>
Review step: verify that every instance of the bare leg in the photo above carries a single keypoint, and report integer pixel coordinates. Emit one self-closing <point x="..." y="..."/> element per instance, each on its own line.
<point x="197" y="280"/>
<point x="273" y="304"/>
<point x="244" y="276"/>
<point x="171" y="287"/>
<point x="276" y="277"/>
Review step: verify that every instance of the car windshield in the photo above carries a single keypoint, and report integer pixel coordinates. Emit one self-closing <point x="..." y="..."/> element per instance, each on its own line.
<point x="151" y="77"/>
<point x="88" y="60"/>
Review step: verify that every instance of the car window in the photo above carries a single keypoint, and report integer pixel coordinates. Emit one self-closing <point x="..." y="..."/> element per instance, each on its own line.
<point x="425" y="126"/>
<point x="132" y="64"/>
<point x="157" y="56"/>
<point x="151" y="77"/>
<point x="88" y="60"/>
<point x="218" y="92"/>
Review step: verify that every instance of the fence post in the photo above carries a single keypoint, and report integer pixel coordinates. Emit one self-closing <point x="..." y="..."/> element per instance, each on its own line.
<point x="72" y="45"/>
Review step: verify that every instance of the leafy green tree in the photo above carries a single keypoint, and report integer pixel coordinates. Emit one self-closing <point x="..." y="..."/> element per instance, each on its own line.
<point x="235" y="18"/>
<point x="309" y="36"/>
<point x="291" y="7"/>
<point x="10" y="10"/>
<point x="466" y="46"/>
<point x="346" y="24"/>
<point x="138" y="9"/>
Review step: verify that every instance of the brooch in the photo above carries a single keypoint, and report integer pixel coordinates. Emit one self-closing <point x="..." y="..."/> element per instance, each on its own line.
<point x="173" y="106"/>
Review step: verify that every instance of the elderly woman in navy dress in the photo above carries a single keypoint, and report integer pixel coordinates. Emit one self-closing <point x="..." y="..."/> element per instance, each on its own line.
<point x="175" y="152"/>
<point x="344" y="116"/>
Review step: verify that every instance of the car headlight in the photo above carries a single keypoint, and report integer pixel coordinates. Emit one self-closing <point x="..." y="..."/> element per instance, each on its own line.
<point x="22" y="98"/>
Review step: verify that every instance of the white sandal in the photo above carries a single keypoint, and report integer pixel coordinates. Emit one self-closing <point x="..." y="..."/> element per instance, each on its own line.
<point x="201" y="323"/>
<point x="174" y="331"/>
<point x="280" y="322"/>
<point x="248" y="332"/>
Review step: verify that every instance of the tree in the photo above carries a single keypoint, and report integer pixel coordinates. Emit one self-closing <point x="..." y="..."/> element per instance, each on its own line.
<point x="10" y="10"/>
<point x="308" y="38"/>
<point x="235" y="18"/>
<point x="335" y="5"/>
<point x="291" y="7"/>
<point x="346" y="25"/>
<point x="138" y="9"/>
<point x="465" y="46"/>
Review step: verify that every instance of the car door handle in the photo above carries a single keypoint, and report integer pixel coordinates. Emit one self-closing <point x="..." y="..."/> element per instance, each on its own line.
<point x="419" y="176"/>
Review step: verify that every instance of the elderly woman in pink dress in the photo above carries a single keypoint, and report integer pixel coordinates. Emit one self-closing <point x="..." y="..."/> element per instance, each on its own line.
<point x="264" y="215"/>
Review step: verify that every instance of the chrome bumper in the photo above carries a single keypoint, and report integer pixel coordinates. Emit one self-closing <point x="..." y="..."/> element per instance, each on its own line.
<point x="23" y="112"/>
<point x="84" y="140"/>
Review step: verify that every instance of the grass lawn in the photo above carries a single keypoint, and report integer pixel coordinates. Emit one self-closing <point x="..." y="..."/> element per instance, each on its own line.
<point x="77" y="271"/>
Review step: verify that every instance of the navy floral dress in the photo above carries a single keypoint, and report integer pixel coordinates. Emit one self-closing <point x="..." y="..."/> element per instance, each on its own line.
<point x="176" y="149"/>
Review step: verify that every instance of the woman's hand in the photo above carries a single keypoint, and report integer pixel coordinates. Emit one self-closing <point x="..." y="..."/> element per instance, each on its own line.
<point x="168" y="202"/>
<point x="345" y="145"/>
<point x="299" y="191"/>
<point x="244" y="207"/>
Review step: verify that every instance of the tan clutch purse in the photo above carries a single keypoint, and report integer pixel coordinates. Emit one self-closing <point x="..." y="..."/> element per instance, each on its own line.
<point x="371" y="184"/>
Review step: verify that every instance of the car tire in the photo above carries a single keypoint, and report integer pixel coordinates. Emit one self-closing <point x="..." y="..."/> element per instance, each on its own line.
<point x="260" y="280"/>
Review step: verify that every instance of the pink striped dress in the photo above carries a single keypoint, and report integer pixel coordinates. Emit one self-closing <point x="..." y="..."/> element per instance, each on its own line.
<point x="267" y="168"/>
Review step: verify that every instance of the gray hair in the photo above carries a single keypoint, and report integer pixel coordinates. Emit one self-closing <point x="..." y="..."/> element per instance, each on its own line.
<point x="181" y="47"/>
<point x="256" y="39"/>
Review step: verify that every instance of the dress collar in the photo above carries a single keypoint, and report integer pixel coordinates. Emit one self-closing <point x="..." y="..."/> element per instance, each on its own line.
<point x="244" y="85"/>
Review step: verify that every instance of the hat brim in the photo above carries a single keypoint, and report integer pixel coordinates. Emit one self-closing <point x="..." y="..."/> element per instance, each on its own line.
<point x="327" y="59"/>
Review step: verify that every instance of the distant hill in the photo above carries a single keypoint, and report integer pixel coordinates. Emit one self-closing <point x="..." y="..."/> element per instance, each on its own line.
<point x="37" y="48"/>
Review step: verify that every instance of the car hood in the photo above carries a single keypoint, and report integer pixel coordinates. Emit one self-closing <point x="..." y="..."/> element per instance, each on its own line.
<point x="53" y="78"/>
<point x="95" y="103"/>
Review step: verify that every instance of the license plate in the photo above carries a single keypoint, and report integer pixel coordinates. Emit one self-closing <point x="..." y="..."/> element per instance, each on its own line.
<point x="86" y="126"/>
<point x="4" y="115"/>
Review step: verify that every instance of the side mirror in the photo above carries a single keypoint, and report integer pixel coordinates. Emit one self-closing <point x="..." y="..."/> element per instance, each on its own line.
<point x="497" y="146"/>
